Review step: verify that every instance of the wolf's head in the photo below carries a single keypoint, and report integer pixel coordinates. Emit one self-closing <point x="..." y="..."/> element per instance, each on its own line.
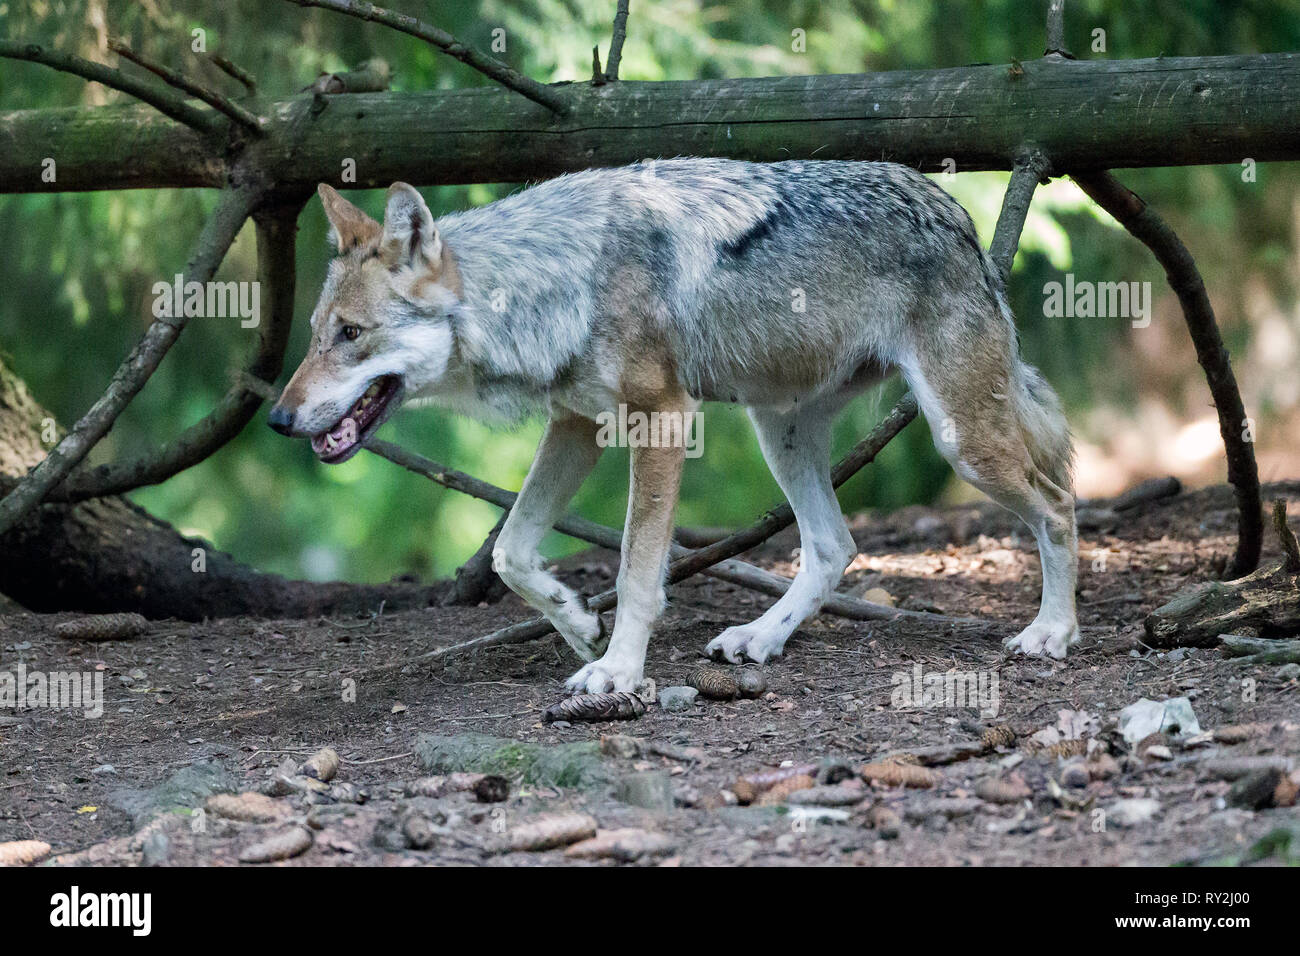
<point x="381" y="330"/>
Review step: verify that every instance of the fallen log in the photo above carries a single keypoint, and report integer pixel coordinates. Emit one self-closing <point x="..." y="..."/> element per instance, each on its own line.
<point x="1265" y="603"/>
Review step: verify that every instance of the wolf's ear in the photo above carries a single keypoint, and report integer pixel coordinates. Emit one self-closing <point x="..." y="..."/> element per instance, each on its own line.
<point x="409" y="232"/>
<point x="349" y="226"/>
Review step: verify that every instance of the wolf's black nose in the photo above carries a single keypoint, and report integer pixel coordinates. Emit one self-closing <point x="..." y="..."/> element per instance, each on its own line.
<point x="281" y="419"/>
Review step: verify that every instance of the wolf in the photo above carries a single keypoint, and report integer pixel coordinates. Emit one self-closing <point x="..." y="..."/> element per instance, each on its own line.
<point x="787" y="288"/>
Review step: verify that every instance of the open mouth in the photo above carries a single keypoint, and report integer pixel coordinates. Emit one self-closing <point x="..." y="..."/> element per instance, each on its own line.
<point x="343" y="440"/>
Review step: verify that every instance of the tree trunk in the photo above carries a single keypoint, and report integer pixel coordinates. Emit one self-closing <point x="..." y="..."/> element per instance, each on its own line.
<point x="1084" y="115"/>
<point x="110" y="555"/>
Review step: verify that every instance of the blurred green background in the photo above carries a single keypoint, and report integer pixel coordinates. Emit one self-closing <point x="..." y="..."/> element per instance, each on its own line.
<point x="78" y="268"/>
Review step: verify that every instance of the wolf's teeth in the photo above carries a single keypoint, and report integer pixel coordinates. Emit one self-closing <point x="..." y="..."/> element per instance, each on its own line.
<point x="366" y="400"/>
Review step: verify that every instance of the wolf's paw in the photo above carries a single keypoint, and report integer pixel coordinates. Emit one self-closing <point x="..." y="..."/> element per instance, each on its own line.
<point x="1052" y="639"/>
<point x="606" y="675"/>
<point x="745" y="642"/>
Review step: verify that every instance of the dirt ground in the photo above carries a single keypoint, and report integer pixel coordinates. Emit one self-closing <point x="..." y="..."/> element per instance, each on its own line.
<point x="193" y="709"/>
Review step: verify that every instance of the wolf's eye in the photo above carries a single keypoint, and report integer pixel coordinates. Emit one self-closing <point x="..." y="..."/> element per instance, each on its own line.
<point x="350" y="332"/>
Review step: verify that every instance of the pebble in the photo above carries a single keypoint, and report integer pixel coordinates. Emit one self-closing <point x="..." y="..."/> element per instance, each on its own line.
<point x="677" y="699"/>
<point x="1132" y="812"/>
<point x="157" y="848"/>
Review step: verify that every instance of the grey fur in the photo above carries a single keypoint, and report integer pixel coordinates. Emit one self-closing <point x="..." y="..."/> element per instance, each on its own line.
<point x="882" y="255"/>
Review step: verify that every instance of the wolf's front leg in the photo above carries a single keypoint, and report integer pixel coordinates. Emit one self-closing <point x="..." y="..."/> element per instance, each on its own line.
<point x="652" y="498"/>
<point x="565" y="457"/>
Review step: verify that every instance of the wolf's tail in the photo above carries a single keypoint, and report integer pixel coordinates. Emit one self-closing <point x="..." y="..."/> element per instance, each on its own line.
<point x="1043" y="425"/>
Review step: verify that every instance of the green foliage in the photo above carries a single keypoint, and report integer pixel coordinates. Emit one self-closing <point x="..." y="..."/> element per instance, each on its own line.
<point x="84" y="264"/>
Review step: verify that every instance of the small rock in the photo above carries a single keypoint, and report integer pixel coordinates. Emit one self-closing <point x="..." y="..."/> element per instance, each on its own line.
<point x="620" y="745"/>
<point x="417" y="831"/>
<point x="928" y="524"/>
<point x="752" y="683"/>
<point x="157" y="848"/>
<point x="1132" y="812"/>
<point x="949" y="807"/>
<point x="879" y="596"/>
<point x="652" y="790"/>
<point x="1288" y="671"/>
<point x="678" y="699"/>
<point x="1256" y="790"/>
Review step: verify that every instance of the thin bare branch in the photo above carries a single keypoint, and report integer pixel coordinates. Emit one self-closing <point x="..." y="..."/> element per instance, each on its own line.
<point x="1286" y="537"/>
<point x="222" y="104"/>
<point x="1031" y="166"/>
<point x="1185" y="279"/>
<point x="734" y="572"/>
<point x="489" y="66"/>
<point x="616" y="41"/>
<point x="235" y="71"/>
<point x="1056" y="30"/>
<point x="237" y="202"/>
<point x="371" y="77"/>
<point x="276" y="228"/>
<point x="164" y="101"/>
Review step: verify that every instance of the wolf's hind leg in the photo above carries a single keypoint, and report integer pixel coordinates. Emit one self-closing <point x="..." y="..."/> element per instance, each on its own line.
<point x="565" y="457"/>
<point x="1001" y="427"/>
<point x="796" y="446"/>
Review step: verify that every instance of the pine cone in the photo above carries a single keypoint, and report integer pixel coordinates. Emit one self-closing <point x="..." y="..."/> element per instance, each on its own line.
<point x="102" y="627"/>
<point x="885" y="821"/>
<point x="547" y="832"/>
<point x="322" y="765"/>
<point x="911" y="760"/>
<point x="748" y="787"/>
<point x="1068" y="748"/>
<point x="898" y="774"/>
<point x="247" y="807"/>
<point x="714" y="683"/>
<point x="280" y="846"/>
<point x="1239" y="733"/>
<point x="1013" y="789"/>
<point x="776" y="794"/>
<point x="999" y="736"/>
<point x="596" y="707"/>
<point x="22" y="852"/>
